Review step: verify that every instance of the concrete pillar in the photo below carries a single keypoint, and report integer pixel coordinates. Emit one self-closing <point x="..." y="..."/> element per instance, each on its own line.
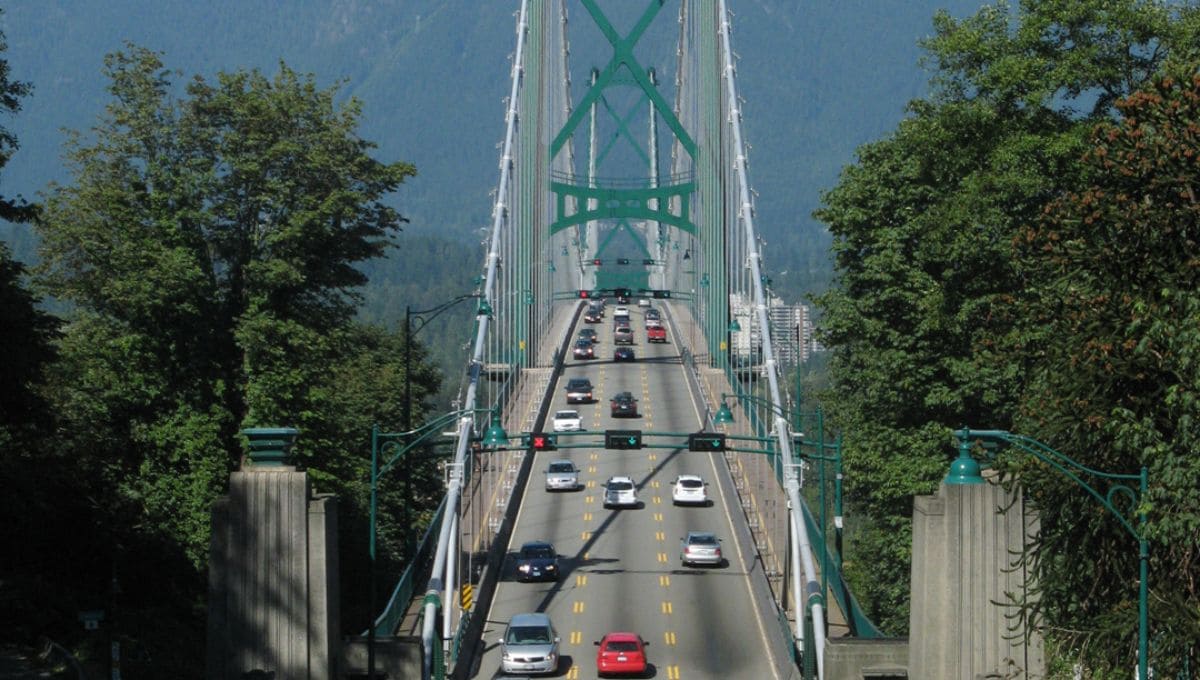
<point x="273" y="596"/>
<point x="966" y="543"/>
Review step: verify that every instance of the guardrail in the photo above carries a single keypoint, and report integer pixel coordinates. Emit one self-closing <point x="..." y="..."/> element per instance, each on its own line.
<point x="402" y="594"/>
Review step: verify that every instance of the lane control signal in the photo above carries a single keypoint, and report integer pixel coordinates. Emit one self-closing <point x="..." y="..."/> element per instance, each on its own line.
<point x="540" y="441"/>
<point x="622" y="439"/>
<point x="706" y="441"/>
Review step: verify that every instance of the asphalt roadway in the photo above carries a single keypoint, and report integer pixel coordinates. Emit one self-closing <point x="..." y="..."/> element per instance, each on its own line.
<point x="621" y="568"/>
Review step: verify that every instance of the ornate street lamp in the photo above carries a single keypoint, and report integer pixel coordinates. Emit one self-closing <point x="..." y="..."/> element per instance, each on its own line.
<point x="965" y="470"/>
<point x="393" y="446"/>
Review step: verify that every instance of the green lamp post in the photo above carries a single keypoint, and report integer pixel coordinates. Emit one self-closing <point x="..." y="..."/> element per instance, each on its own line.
<point x="965" y="470"/>
<point x="394" y="446"/>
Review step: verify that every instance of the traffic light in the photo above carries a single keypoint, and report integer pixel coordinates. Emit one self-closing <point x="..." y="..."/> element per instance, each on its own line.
<point x="583" y="294"/>
<point x="622" y="439"/>
<point x="622" y="260"/>
<point x="662" y="294"/>
<point x="597" y="262"/>
<point x="706" y="441"/>
<point x="540" y="441"/>
<point x="647" y="261"/>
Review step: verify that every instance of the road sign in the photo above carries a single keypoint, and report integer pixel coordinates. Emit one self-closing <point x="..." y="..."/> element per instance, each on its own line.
<point x="706" y="441"/>
<point x="622" y="439"/>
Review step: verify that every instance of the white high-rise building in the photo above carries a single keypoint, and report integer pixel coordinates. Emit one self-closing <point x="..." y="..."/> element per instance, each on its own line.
<point x="791" y="330"/>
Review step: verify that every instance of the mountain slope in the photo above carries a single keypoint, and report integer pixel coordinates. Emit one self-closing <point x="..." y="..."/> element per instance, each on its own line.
<point x="818" y="78"/>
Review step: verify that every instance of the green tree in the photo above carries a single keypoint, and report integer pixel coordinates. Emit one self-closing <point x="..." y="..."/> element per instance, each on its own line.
<point x="1115" y="378"/>
<point x="924" y="315"/>
<point x="26" y="335"/>
<point x="35" y="484"/>
<point x="209" y="246"/>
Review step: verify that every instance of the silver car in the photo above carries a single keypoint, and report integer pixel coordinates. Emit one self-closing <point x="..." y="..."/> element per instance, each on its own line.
<point x="562" y="475"/>
<point x="529" y="645"/>
<point x="700" y="547"/>
<point x="620" y="492"/>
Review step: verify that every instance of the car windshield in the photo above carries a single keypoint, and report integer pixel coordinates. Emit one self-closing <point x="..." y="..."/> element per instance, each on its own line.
<point x="537" y="552"/>
<point x="622" y="646"/>
<point x="619" y="486"/>
<point x="567" y="415"/>
<point x="691" y="483"/>
<point x="527" y="635"/>
<point x="577" y="384"/>
<point x="562" y="467"/>
<point x="584" y="343"/>
<point x="702" y="539"/>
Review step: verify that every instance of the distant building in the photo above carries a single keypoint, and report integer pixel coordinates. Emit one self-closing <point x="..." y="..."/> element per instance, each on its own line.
<point x="791" y="331"/>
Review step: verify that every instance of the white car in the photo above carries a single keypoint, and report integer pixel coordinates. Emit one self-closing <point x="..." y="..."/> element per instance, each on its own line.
<point x="689" y="489"/>
<point x="567" y="420"/>
<point x="620" y="492"/>
<point x="621" y="313"/>
<point x="643" y="303"/>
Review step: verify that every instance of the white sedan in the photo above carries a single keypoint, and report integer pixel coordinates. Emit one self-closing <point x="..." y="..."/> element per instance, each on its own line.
<point x="689" y="489"/>
<point x="567" y="420"/>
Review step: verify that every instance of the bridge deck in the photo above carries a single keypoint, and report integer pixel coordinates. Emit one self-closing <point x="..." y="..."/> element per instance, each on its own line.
<point x="484" y="501"/>
<point x="752" y="481"/>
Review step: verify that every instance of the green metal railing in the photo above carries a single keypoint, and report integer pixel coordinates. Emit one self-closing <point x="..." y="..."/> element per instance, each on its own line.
<point x="418" y="566"/>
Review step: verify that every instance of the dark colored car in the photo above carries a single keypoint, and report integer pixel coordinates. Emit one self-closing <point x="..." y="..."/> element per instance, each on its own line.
<point x="592" y="317"/>
<point x="537" y="560"/>
<point x="624" y="405"/>
<point x="623" y="354"/>
<point x="579" y="391"/>
<point x="583" y="350"/>
<point x="589" y="334"/>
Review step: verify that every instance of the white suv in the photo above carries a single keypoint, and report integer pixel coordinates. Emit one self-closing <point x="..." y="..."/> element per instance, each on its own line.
<point x="620" y="492"/>
<point x="689" y="489"/>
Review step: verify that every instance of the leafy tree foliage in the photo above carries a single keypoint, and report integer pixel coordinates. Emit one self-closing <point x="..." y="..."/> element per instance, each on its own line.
<point x="30" y="477"/>
<point x="210" y="246"/>
<point x="1115" y="378"/>
<point x="26" y="334"/>
<point x="931" y="286"/>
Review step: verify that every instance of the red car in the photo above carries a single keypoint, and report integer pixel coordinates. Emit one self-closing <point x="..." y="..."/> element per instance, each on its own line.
<point x="621" y="653"/>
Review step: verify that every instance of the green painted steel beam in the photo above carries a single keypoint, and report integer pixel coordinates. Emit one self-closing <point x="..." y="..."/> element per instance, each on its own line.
<point x="623" y="56"/>
<point x="617" y="203"/>
<point x="623" y="130"/>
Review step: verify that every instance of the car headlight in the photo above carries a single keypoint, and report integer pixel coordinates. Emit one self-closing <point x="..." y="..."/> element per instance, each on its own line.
<point x="551" y="567"/>
<point x="524" y="568"/>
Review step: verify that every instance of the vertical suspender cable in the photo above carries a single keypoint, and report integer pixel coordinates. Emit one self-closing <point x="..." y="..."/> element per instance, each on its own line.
<point x="812" y="585"/>
<point x="499" y="214"/>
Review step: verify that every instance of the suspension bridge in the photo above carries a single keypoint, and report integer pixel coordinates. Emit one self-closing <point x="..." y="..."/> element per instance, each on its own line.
<point x="629" y="187"/>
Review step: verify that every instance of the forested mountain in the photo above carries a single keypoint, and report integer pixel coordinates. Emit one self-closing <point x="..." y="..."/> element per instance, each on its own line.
<point x="818" y="78"/>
